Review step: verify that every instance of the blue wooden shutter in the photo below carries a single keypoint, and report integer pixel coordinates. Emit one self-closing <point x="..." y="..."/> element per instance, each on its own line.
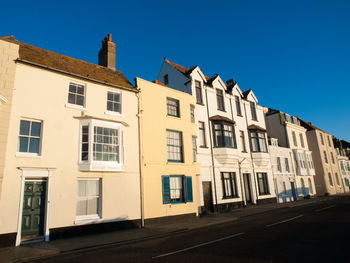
<point x="189" y="195"/>
<point x="166" y="189"/>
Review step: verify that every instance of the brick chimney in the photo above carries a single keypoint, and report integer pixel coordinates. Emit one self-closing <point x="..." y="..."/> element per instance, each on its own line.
<point x="106" y="56"/>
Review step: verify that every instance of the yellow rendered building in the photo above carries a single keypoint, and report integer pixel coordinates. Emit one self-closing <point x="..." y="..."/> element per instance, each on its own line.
<point x="170" y="172"/>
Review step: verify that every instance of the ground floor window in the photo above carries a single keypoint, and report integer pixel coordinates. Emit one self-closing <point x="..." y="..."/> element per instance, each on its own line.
<point x="263" y="184"/>
<point x="310" y="186"/>
<point x="229" y="185"/>
<point x="177" y="189"/>
<point x="89" y="198"/>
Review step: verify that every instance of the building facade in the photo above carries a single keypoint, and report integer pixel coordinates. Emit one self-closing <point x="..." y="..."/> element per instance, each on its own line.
<point x="231" y="175"/>
<point x="169" y="167"/>
<point x="291" y="134"/>
<point x="343" y="163"/>
<point x="283" y="172"/>
<point x="69" y="148"/>
<point x="327" y="177"/>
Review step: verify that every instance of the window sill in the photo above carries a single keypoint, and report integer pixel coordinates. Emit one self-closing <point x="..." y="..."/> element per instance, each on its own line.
<point x="173" y="116"/>
<point x="27" y="155"/>
<point x="87" y="220"/>
<point x="239" y="115"/>
<point x="222" y="110"/>
<point x="199" y="103"/>
<point x="229" y="197"/>
<point x="76" y="107"/>
<point x="264" y="194"/>
<point x="175" y="162"/>
<point x="97" y="166"/>
<point x="113" y="113"/>
<point x="204" y="147"/>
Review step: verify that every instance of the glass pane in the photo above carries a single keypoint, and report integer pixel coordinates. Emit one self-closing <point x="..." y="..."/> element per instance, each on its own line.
<point x="84" y="156"/>
<point x="81" y="207"/>
<point x="109" y="105"/>
<point x="98" y="157"/>
<point x="34" y="145"/>
<point x="85" y="138"/>
<point x="85" y="147"/>
<point x="85" y="129"/>
<point x="24" y="128"/>
<point x="36" y="129"/>
<point x="23" y="144"/>
<point x="116" y="107"/>
<point x="71" y="98"/>
<point x="105" y="157"/>
<point x="93" y="187"/>
<point x="92" y="206"/>
<point x="81" y="188"/>
<point x="80" y="90"/>
<point x="116" y="97"/>
<point x="109" y="96"/>
<point x="80" y="100"/>
<point x="72" y="88"/>
<point x="98" y="147"/>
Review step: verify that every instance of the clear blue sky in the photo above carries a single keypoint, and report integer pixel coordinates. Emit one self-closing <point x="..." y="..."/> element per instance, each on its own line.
<point x="294" y="54"/>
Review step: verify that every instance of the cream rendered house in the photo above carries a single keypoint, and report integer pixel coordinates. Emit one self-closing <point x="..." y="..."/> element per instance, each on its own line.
<point x="291" y="134"/>
<point x="327" y="178"/>
<point x="344" y="167"/>
<point x="283" y="171"/>
<point x="69" y="144"/>
<point x="169" y="167"/>
<point x="228" y="177"/>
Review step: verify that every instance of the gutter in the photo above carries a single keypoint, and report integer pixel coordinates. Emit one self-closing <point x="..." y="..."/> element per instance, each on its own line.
<point x="73" y="74"/>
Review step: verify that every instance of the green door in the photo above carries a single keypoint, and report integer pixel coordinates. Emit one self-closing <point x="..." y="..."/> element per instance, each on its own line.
<point x="33" y="209"/>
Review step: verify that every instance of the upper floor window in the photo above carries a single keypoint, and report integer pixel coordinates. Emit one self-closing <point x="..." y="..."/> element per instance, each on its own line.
<point x="177" y="189"/>
<point x="309" y="161"/>
<point x="114" y="102"/>
<point x="287" y="165"/>
<point x="330" y="179"/>
<point x="76" y="94"/>
<point x="89" y="198"/>
<point x="29" y="137"/>
<point x="288" y="118"/>
<point x="238" y="106"/>
<point x="263" y="184"/>
<point x="295" y="120"/>
<point x="166" y="79"/>
<point x="301" y="140"/>
<point x="325" y="156"/>
<point x="194" y="149"/>
<point x="258" y="141"/>
<point x="224" y="134"/>
<point x="173" y="107"/>
<point x="199" y="97"/>
<point x="332" y="157"/>
<point x="329" y="141"/>
<point x="220" y="99"/>
<point x="294" y="138"/>
<point x="279" y="166"/>
<point x="174" y="146"/>
<point x="202" y="139"/>
<point x="229" y="185"/>
<point x="253" y="111"/>
<point x="100" y="148"/>
<point x="337" y="178"/>
<point x="321" y="136"/>
<point x="192" y="113"/>
<point x="244" y="148"/>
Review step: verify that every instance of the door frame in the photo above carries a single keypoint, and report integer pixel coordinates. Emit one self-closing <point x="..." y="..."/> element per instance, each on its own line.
<point x="247" y="179"/>
<point x="30" y="174"/>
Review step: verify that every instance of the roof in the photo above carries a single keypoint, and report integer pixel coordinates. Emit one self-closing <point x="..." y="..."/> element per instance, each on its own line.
<point x="245" y="93"/>
<point x="182" y="69"/>
<point x="159" y="83"/>
<point x="309" y="126"/>
<point x="221" y="118"/>
<point x="256" y="127"/>
<point x="55" y="61"/>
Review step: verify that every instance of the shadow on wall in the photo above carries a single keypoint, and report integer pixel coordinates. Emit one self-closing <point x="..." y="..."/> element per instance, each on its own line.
<point x="300" y="193"/>
<point x="120" y="223"/>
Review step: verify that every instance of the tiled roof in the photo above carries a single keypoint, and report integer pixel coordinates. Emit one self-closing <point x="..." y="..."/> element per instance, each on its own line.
<point x="55" y="61"/>
<point x="309" y="126"/>
<point x="221" y="118"/>
<point x="182" y="69"/>
<point x="255" y="127"/>
<point x="159" y="83"/>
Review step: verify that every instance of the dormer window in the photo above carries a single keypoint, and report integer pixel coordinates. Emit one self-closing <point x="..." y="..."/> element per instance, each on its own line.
<point x="166" y="79"/>
<point x="220" y="99"/>
<point x="199" y="98"/>
<point x="253" y="111"/>
<point x="288" y="118"/>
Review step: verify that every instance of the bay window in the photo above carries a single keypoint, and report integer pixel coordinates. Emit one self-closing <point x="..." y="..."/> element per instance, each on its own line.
<point x="224" y="134"/>
<point x="257" y="141"/>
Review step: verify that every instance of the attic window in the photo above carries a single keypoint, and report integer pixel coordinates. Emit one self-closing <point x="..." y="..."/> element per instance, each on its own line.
<point x="166" y="79"/>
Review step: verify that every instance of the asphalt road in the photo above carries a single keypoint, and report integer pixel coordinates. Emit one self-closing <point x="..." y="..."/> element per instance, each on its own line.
<point x="318" y="232"/>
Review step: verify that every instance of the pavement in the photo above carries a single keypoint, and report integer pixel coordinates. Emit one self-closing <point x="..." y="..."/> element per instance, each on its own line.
<point x="33" y="251"/>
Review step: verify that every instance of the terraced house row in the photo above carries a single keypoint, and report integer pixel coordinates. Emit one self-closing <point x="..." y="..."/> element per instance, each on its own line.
<point x="82" y="149"/>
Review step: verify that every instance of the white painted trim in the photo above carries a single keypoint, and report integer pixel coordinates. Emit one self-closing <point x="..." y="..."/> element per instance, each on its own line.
<point x="27" y="175"/>
<point x="113" y="113"/>
<point x="74" y="106"/>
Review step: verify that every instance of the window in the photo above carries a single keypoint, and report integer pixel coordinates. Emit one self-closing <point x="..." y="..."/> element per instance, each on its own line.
<point x="166" y="79"/>
<point x="329" y="141"/>
<point x="332" y="157"/>
<point x="224" y="135"/>
<point x="229" y="185"/>
<point x="194" y="149"/>
<point x="288" y="118"/>
<point x="263" y="184"/>
<point x="174" y="146"/>
<point x="287" y="164"/>
<point x="89" y="198"/>
<point x="301" y="140"/>
<point x="114" y="102"/>
<point x="295" y="120"/>
<point x="337" y="178"/>
<point x="302" y="160"/>
<point x="310" y="186"/>
<point x="322" y="141"/>
<point x="173" y="108"/>
<point x="100" y="148"/>
<point x="220" y="99"/>
<point x="330" y="179"/>
<point x="76" y="94"/>
<point x="279" y="166"/>
<point x="258" y="141"/>
<point x="29" y="137"/>
<point x="192" y="113"/>
<point x="244" y="148"/>
<point x="253" y="111"/>
<point x="202" y="139"/>
<point x="238" y="106"/>
<point x="177" y="189"/>
<point x="198" y="88"/>
<point x="347" y="182"/>
<point x="325" y="156"/>
<point x="294" y="139"/>
<point x="309" y="160"/>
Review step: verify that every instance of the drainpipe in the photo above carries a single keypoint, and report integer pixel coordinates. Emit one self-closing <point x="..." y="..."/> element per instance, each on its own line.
<point x="139" y="115"/>
<point x="251" y="156"/>
<point x="211" y="148"/>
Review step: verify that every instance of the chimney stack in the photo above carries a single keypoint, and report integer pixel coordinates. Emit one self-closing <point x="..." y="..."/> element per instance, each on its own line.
<point x="106" y="56"/>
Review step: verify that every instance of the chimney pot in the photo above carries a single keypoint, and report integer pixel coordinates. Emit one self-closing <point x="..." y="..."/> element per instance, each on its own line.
<point x="106" y="55"/>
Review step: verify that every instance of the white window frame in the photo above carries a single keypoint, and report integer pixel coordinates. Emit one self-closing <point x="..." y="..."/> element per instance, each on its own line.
<point x="72" y="105"/>
<point x="93" y="165"/>
<point x="29" y="154"/>
<point x="114" y="113"/>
